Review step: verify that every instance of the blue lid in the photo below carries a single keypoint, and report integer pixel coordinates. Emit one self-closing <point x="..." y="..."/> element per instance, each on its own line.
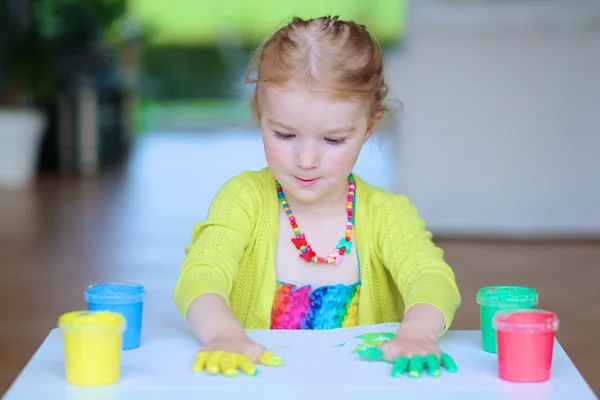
<point x="114" y="293"/>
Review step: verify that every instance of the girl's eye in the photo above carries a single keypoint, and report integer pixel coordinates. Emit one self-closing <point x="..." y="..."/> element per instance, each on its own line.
<point x="335" y="140"/>
<point x="284" y="136"/>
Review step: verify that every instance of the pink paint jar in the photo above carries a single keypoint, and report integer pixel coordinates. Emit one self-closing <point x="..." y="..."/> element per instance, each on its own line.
<point x="525" y="344"/>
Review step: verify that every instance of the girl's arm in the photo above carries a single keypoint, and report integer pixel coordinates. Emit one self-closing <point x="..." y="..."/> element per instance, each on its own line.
<point x="212" y="260"/>
<point x="425" y="280"/>
<point x="209" y="317"/>
<point x="426" y="319"/>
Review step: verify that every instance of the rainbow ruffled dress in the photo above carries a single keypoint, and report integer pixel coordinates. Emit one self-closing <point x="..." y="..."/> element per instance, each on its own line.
<point x="326" y="307"/>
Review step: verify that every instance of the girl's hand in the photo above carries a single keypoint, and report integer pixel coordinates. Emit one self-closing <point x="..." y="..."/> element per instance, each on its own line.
<point x="411" y="351"/>
<point x="410" y="341"/>
<point x="227" y="354"/>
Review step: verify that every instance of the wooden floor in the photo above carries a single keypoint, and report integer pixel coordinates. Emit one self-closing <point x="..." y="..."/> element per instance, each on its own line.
<point x="132" y="225"/>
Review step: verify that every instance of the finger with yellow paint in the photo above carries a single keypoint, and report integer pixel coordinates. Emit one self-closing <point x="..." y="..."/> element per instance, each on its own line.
<point x="228" y="364"/>
<point x="200" y="362"/>
<point x="246" y="365"/>
<point x="213" y="359"/>
<point x="270" y="360"/>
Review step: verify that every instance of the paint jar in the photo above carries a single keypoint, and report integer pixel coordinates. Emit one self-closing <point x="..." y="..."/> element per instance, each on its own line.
<point x="492" y="299"/>
<point x="92" y="347"/>
<point x="525" y="344"/>
<point x="126" y="299"/>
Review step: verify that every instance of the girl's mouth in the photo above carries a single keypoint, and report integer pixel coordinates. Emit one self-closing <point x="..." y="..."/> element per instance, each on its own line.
<point x="307" y="181"/>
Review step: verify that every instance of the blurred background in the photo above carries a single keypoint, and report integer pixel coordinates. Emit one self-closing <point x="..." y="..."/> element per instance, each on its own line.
<point x="120" y="119"/>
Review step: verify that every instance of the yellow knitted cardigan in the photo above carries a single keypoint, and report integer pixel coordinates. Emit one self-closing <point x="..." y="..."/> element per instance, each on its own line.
<point x="232" y="253"/>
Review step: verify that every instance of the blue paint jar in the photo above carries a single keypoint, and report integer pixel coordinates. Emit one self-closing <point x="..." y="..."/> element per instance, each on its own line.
<point x="126" y="299"/>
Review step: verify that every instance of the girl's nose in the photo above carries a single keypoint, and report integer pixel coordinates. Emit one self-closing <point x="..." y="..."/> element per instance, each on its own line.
<point x="307" y="156"/>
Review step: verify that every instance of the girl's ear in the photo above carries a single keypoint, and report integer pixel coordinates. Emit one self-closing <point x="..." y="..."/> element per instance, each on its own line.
<point x="373" y="123"/>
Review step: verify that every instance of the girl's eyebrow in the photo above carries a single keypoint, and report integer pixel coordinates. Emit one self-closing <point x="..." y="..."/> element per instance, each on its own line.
<point x="348" y="129"/>
<point x="280" y="124"/>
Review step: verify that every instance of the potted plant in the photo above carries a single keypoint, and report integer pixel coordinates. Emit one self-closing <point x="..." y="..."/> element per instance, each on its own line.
<point x="26" y="83"/>
<point x="47" y="48"/>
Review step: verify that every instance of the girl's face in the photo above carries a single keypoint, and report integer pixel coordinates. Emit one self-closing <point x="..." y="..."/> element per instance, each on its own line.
<point x="311" y="141"/>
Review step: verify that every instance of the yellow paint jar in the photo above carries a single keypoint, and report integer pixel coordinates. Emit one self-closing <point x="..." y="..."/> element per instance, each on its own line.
<point x="92" y="346"/>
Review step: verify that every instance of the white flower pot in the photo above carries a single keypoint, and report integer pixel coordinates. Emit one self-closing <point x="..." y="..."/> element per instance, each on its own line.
<point x="20" y="138"/>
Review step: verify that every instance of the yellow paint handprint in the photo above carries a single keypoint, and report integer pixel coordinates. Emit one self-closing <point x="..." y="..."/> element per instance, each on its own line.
<point x="215" y="362"/>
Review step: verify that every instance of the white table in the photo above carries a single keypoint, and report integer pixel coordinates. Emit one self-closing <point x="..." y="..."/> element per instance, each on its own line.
<point x="315" y="365"/>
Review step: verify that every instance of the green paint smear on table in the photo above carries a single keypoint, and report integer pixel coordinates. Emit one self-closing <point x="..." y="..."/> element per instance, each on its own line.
<point x="373" y="339"/>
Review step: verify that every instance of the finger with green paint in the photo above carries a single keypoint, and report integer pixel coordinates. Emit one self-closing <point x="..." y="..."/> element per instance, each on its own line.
<point x="415" y="367"/>
<point x="400" y="366"/>
<point x="449" y="363"/>
<point x="371" y="354"/>
<point x="375" y="354"/>
<point x="432" y="364"/>
<point x="416" y="364"/>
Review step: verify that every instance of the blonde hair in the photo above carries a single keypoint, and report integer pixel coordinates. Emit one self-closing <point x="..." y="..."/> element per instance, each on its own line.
<point x="327" y="54"/>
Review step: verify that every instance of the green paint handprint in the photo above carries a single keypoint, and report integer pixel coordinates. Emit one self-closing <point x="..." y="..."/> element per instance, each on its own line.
<point x="373" y="339"/>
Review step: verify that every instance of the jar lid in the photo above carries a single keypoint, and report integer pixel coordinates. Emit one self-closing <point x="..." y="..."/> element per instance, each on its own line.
<point x="114" y="293"/>
<point x="92" y="322"/>
<point x="529" y="320"/>
<point x="507" y="297"/>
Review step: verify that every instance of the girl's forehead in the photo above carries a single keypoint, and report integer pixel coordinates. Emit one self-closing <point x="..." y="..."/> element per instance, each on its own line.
<point x="293" y="99"/>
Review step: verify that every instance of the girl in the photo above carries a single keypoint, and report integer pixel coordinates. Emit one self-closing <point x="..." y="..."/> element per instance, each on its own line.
<point x="305" y="243"/>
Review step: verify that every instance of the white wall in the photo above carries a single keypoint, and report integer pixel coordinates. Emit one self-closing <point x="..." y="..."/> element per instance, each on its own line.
<point x="500" y="133"/>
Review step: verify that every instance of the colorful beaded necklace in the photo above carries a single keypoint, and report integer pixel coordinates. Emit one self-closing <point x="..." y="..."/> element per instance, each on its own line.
<point x="299" y="241"/>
